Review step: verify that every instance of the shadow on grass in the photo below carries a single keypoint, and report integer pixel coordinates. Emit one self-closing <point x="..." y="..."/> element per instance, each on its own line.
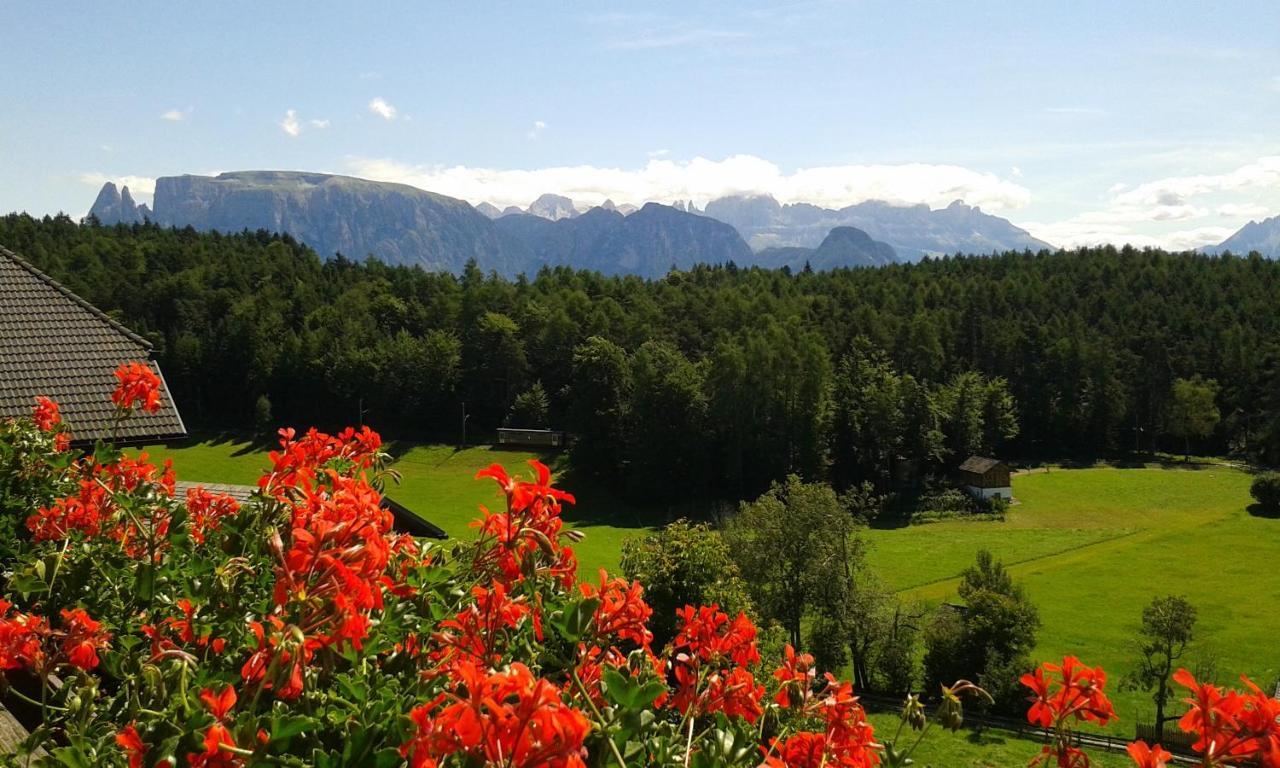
<point x="985" y="737"/>
<point x="252" y="443"/>
<point x="600" y="502"/>
<point x="1257" y="510"/>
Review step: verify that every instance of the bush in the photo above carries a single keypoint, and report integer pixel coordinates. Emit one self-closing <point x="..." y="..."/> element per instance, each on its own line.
<point x="955" y="504"/>
<point x="1266" y="491"/>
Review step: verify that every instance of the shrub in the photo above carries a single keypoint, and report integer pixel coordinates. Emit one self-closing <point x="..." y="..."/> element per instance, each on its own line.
<point x="1265" y="490"/>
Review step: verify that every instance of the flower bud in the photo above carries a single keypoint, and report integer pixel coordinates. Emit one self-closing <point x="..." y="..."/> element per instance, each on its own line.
<point x="913" y="712"/>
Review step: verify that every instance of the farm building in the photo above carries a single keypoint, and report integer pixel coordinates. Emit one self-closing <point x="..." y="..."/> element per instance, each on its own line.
<point x="986" y="478"/>
<point x="538" y="438"/>
<point x="56" y="344"/>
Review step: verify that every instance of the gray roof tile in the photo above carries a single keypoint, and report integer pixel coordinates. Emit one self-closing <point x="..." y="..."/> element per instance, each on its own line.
<point x="54" y="343"/>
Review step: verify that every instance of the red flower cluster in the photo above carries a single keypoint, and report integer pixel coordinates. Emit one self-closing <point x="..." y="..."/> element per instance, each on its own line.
<point x="847" y="740"/>
<point x="205" y="511"/>
<point x="45" y="414"/>
<point x="622" y="612"/>
<point x="473" y="634"/>
<point x="137" y="384"/>
<point x="28" y="642"/>
<point x="1234" y="727"/>
<point x="282" y="651"/>
<point x="510" y="718"/>
<point x="1075" y="695"/>
<point x="84" y="512"/>
<point x="526" y="538"/>
<point x="335" y="568"/>
<point x="795" y="679"/>
<point x="300" y="459"/>
<point x="217" y="737"/>
<point x="332" y="572"/>
<point x="184" y="628"/>
<point x="92" y="510"/>
<point x="709" y="657"/>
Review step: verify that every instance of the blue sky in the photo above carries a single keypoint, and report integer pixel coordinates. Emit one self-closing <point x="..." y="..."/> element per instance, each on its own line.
<point x="1154" y="123"/>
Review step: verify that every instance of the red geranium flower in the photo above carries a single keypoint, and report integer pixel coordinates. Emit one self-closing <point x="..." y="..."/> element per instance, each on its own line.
<point x="138" y="384"/>
<point x="83" y="639"/>
<point x="45" y="414"/>
<point x="622" y="611"/>
<point x="1148" y="757"/>
<point x="132" y="744"/>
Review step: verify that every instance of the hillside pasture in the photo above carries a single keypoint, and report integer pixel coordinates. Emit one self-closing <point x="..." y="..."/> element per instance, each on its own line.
<point x="1094" y="546"/>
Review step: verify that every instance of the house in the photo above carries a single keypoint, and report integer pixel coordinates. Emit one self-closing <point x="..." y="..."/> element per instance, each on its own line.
<point x="404" y="519"/>
<point x="54" y="343"/>
<point x="986" y="478"/>
<point x="538" y="438"/>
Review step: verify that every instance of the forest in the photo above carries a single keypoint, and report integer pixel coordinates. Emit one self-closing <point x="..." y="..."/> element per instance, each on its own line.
<point x="710" y="383"/>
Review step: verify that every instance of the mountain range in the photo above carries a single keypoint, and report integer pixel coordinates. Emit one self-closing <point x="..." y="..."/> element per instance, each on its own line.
<point x="401" y="224"/>
<point x="914" y="231"/>
<point x="1261" y="236"/>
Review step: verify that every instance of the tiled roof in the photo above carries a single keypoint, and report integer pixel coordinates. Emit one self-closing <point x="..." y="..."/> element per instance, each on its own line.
<point x="978" y="464"/>
<point x="406" y="520"/>
<point x="54" y="343"/>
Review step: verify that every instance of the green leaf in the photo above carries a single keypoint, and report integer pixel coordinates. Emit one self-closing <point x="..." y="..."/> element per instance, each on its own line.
<point x="387" y="758"/>
<point x="286" y="727"/>
<point x="146" y="584"/>
<point x="574" y="622"/>
<point x="629" y="693"/>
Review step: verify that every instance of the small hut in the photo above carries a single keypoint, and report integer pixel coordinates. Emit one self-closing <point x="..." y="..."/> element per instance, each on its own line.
<point x="986" y="478"/>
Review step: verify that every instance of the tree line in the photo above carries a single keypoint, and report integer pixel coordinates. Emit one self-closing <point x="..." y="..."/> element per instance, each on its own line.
<point x="712" y="382"/>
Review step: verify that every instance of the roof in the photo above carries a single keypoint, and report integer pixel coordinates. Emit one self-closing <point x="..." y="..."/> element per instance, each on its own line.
<point x="405" y="519"/>
<point x="979" y="465"/>
<point x="54" y="343"/>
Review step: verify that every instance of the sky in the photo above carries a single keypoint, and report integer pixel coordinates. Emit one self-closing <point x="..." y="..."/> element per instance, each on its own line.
<point x="1155" y="123"/>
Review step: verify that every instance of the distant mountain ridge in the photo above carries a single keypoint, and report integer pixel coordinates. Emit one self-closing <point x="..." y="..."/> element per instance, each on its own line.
<point x="842" y="247"/>
<point x="1261" y="236"/>
<point x="913" y="231"/>
<point x="400" y="224"/>
<point x="116" y="206"/>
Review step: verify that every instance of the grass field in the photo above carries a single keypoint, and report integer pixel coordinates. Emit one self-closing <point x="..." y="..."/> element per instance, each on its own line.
<point x="973" y="749"/>
<point x="1092" y="546"/>
<point x="436" y="481"/>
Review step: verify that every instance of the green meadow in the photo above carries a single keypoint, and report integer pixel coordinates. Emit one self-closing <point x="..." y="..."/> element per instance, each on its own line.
<point x="438" y="482"/>
<point x="1092" y="547"/>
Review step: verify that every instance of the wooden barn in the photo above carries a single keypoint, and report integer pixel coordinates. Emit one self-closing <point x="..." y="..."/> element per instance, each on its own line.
<point x="986" y="478"/>
<point x="533" y="438"/>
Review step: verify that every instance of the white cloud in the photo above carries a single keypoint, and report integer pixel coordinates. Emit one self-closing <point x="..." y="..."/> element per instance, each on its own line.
<point x="537" y="129"/>
<point x="1142" y="214"/>
<point x="659" y="152"/>
<point x="1015" y="172"/>
<point x="1261" y="173"/>
<point x="1243" y="210"/>
<point x="380" y="107"/>
<point x="321" y="123"/>
<point x="174" y="115"/>
<point x="702" y="179"/>
<point x="1074" y="233"/>
<point x="290" y="124"/>
<point x="139" y="186"/>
